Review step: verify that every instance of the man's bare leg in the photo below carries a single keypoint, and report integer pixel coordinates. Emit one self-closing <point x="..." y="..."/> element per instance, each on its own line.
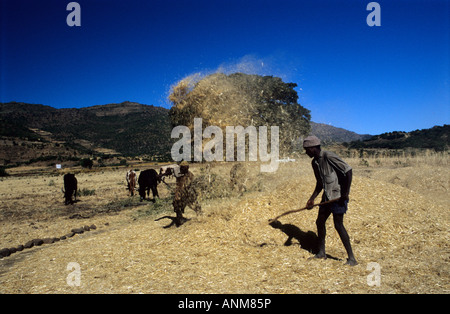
<point x="322" y="232"/>
<point x="339" y="225"/>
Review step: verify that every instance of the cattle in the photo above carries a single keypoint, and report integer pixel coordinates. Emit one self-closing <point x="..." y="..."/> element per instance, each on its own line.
<point x="70" y="188"/>
<point x="131" y="181"/>
<point x="169" y="171"/>
<point x="149" y="179"/>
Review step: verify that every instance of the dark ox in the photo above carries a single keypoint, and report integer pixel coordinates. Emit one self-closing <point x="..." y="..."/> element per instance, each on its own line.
<point x="149" y="179"/>
<point x="70" y="188"/>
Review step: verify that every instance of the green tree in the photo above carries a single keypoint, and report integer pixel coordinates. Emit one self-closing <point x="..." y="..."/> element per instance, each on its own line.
<point x="86" y="163"/>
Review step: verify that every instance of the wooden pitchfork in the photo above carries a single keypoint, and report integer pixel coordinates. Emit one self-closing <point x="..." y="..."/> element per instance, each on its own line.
<point x="299" y="210"/>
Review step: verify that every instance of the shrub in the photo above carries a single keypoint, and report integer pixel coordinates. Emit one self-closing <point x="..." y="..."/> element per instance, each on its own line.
<point x="86" y="163"/>
<point x="86" y="192"/>
<point x="3" y="172"/>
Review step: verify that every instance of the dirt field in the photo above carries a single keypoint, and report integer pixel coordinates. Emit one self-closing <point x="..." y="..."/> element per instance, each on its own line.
<point x="398" y="222"/>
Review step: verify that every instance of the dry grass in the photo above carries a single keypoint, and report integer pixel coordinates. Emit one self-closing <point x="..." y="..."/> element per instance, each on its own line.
<point x="230" y="248"/>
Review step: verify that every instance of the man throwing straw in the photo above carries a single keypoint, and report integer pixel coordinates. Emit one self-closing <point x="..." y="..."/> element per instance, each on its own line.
<point x="334" y="176"/>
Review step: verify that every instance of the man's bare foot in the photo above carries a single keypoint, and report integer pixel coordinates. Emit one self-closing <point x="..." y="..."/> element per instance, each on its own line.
<point x="351" y="262"/>
<point x="320" y="255"/>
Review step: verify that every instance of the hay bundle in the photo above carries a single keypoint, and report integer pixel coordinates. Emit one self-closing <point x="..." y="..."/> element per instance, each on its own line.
<point x="241" y="100"/>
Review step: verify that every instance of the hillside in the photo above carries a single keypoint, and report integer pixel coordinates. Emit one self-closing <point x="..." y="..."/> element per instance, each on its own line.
<point x="36" y="133"/>
<point x="330" y="134"/>
<point x="436" y="138"/>
<point x="30" y="131"/>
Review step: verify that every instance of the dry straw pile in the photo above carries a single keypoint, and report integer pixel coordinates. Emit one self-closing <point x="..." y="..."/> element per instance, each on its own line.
<point x="231" y="248"/>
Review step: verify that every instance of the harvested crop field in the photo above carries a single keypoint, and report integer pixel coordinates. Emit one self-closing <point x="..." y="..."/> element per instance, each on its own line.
<point x="398" y="221"/>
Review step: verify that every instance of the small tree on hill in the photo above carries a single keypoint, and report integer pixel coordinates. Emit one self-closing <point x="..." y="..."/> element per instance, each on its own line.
<point x="86" y="163"/>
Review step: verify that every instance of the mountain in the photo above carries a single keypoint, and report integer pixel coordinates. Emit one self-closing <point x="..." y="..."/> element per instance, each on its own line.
<point x="30" y="132"/>
<point x="330" y="134"/>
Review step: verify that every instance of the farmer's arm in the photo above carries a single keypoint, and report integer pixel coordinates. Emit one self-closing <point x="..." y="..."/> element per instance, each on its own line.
<point x="346" y="183"/>
<point x="317" y="189"/>
<point x="316" y="192"/>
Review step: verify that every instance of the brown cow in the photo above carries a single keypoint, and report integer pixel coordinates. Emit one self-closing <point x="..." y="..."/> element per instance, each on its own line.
<point x="169" y="171"/>
<point x="131" y="181"/>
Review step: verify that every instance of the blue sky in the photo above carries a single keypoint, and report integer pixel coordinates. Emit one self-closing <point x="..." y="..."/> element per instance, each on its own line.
<point x="365" y="79"/>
